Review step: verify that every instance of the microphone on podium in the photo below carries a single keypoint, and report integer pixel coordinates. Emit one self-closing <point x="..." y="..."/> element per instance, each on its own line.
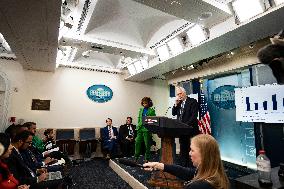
<point x="129" y="163"/>
<point x="167" y="110"/>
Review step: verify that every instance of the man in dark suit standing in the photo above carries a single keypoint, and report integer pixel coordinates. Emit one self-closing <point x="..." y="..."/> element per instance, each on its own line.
<point x="109" y="139"/>
<point x="186" y="110"/>
<point x="127" y="134"/>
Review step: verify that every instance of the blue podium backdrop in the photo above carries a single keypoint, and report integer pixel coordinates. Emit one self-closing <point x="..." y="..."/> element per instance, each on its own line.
<point x="236" y="139"/>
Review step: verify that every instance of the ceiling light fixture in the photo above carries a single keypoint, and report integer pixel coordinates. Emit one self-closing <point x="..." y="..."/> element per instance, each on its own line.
<point x="144" y="63"/>
<point x="278" y="2"/>
<point x="245" y="9"/>
<point x="86" y="54"/>
<point x="163" y="52"/>
<point x="190" y="67"/>
<point x="175" y="46"/>
<point x="131" y="69"/>
<point x="138" y="66"/>
<point x="205" y="15"/>
<point x="196" y="35"/>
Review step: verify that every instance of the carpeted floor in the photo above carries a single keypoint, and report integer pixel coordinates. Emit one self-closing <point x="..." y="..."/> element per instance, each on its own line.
<point x="96" y="174"/>
<point x="233" y="171"/>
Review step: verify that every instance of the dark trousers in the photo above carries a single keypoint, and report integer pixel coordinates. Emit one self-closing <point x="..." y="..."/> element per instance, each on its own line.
<point x="185" y="161"/>
<point x="111" y="147"/>
<point x="127" y="148"/>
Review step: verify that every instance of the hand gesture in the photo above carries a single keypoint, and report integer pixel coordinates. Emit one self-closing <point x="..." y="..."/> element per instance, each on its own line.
<point x="150" y="166"/>
<point x="42" y="177"/>
<point x="48" y="160"/>
<point x="178" y="101"/>
<point x="24" y="186"/>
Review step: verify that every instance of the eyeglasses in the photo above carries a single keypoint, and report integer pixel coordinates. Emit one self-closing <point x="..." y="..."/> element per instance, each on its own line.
<point x="30" y="142"/>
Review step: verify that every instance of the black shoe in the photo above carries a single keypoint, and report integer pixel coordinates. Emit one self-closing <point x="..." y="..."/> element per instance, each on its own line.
<point x="68" y="182"/>
<point x="108" y="156"/>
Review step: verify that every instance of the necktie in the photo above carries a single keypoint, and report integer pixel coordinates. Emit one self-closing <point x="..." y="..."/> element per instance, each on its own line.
<point x="181" y="110"/>
<point x="130" y="130"/>
<point x="109" y="132"/>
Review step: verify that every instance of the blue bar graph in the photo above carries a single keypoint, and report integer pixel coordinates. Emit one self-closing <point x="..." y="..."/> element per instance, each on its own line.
<point x="256" y="106"/>
<point x="248" y="104"/>
<point x="274" y="102"/>
<point x="265" y="105"/>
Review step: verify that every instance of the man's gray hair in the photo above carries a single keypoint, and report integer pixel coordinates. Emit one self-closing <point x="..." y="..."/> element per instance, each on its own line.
<point x="181" y="88"/>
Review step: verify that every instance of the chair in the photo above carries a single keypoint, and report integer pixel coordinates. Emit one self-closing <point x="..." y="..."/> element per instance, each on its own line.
<point x="65" y="140"/>
<point x="104" y="152"/>
<point x="88" y="142"/>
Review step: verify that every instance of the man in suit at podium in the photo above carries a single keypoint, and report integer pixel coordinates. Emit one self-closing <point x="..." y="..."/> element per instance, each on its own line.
<point x="186" y="110"/>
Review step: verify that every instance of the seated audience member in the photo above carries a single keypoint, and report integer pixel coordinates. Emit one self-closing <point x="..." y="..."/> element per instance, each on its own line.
<point x="38" y="146"/>
<point x="21" y="171"/>
<point x="127" y="134"/>
<point x="37" y="142"/>
<point x="109" y="139"/>
<point x="49" y="142"/>
<point x="209" y="171"/>
<point x="35" y="163"/>
<point x="273" y="55"/>
<point x="12" y="130"/>
<point x="7" y="180"/>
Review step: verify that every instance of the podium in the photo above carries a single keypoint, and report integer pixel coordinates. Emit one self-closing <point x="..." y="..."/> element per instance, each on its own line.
<point x="167" y="129"/>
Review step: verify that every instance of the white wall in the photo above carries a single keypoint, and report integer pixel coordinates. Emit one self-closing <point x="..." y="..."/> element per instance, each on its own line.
<point x="70" y="106"/>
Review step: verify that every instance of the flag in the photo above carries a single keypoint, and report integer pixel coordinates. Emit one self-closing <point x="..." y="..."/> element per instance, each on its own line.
<point x="204" y="123"/>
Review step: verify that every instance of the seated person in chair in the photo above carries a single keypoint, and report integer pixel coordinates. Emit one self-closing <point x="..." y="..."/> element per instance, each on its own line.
<point x="49" y="141"/>
<point x="109" y="139"/>
<point x="127" y="134"/>
<point x="38" y="146"/>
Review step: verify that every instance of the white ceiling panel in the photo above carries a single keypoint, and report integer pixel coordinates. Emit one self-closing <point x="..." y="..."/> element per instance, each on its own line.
<point x="31" y="29"/>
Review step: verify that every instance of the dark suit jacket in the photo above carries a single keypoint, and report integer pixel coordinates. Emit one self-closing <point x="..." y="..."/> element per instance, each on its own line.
<point x="19" y="169"/>
<point x="30" y="160"/>
<point x="189" y="115"/>
<point x="124" y="132"/>
<point x="105" y="137"/>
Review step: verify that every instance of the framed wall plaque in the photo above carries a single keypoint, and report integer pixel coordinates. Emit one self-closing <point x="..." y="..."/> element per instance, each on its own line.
<point x="38" y="104"/>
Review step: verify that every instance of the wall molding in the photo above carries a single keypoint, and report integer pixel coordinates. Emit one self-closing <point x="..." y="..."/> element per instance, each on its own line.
<point x="4" y="117"/>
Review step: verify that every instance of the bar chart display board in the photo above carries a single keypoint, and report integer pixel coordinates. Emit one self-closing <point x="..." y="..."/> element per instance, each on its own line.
<point x="264" y="103"/>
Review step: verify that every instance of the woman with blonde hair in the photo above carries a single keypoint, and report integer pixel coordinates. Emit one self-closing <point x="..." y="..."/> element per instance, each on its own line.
<point x="205" y="156"/>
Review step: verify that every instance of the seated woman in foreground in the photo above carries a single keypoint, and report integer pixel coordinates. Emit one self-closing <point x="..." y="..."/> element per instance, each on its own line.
<point x="7" y="180"/>
<point x="209" y="172"/>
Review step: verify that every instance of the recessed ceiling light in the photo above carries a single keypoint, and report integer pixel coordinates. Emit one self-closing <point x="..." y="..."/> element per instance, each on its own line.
<point x="205" y="15"/>
<point x="175" y="2"/>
